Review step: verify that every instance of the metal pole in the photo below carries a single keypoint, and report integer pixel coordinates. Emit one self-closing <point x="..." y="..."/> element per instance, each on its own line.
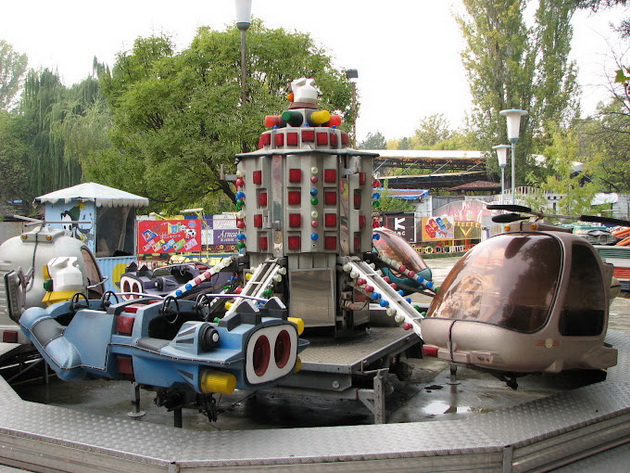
<point x="502" y="184"/>
<point x="354" y="112"/>
<point x="513" y="172"/>
<point x="243" y="67"/>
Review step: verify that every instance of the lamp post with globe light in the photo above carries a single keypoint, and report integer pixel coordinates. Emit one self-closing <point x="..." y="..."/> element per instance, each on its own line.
<point x="353" y="74"/>
<point x="513" y="127"/>
<point x="243" y="22"/>
<point x="502" y="157"/>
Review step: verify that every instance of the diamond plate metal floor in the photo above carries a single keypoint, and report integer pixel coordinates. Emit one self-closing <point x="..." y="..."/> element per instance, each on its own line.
<point x="535" y="436"/>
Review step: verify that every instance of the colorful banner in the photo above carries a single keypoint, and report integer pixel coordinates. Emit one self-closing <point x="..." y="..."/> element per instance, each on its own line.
<point x="169" y="236"/>
<point x="438" y="228"/>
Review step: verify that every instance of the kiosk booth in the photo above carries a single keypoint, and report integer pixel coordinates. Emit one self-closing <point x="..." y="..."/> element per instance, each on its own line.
<point x="102" y="217"/>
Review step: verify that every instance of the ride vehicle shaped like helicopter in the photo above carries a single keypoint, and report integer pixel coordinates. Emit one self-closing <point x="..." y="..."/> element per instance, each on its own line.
<point x="534" y="299"/>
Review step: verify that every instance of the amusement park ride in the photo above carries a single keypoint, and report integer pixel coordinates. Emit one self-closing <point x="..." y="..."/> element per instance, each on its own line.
<point x="312" y="256"/>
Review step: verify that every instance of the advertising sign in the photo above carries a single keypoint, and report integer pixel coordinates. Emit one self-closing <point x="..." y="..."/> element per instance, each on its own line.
<point x="169" y="236"/>
<point x="438" y="228"/>
<point x="403" y="225"/>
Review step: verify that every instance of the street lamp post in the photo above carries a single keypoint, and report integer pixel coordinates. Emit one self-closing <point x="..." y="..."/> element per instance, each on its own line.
<point x="513" y="126"/>
<point x="243" y="22"/>
<point x="502" y="157"/>
<point x="353" y="74"/>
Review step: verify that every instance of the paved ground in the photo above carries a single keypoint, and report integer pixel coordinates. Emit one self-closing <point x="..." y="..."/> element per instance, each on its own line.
<point x="428" y="395"/>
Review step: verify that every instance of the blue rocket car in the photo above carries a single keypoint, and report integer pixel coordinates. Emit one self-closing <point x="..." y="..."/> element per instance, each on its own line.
<point x="167" y="343"/>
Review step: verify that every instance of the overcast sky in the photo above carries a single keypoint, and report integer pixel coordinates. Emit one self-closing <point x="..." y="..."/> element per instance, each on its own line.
<point x="406" y="51"/>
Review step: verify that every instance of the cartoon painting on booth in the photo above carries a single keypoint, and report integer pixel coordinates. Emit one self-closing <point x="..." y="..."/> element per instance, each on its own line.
<point x="71" y="218"/>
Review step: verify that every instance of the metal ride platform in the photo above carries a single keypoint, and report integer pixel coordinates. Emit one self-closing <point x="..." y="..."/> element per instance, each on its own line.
<point x="330" y="367"/>
<point x="534" y="436"/>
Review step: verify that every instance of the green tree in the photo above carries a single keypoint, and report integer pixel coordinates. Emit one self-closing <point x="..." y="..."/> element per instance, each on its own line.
<point x="41" y="107"/>
<point x="596" y="5"/>
<point x="607" y="136"/>
<point x="555" y="98"/>
<point x="499" y="61"/>
<point x="432" y="130"/>
<point x="64" y="126"/>
<point x="512" y="66"/>
<point x="12" y="69"/>
<point x="568" y="175"/>
<point x="14" y="159"/>
<point x="178" y="120"/>
<point x="374" y="141"/>
<point x="404" y="143"/>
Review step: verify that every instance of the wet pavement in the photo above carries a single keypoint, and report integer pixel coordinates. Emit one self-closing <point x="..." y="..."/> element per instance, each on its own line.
<point x="431" y="393"/>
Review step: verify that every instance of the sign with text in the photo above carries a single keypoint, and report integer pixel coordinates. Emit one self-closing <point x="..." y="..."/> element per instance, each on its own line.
<point x="403" y="225"/>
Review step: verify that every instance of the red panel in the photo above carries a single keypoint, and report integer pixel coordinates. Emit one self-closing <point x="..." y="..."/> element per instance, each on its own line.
<point x="262" y="199"/>
<point x="124" y="364"/>
<point x="362" y="221"/>
<point x="124" y="325"/>
<point x="344" y="138"/>
<point x="295" y="175"/>
<point x="357" y="242"/>
<point x="294" y="242"/>
<point x="265" y="139"/>
<point x="357" y="199"/>
<point x="295" y="220"/>
<point x="330" y="243"/>
<point x="292" y="139"/>
<point x="10" y="336"/>
<point x="257" y="177"/>
<point x="263" y="243"/>
<point x="330" y="198"/>
<point x="322" y="137"/>
<point x="330" y="176"/>
<point x="295" y="198"/>
<point x="279" y="140"/>
<point x="330" y="220"/>
<point x="333" y="140"/>
<point x="258" y="220"/>
<point x="362" y="178"/>
<point x="308" y="135"/>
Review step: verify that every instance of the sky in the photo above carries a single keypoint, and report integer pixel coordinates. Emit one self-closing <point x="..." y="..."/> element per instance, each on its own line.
<point x="407" y="52"/>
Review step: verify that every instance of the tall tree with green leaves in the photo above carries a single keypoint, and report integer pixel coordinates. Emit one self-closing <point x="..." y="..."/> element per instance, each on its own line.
<point x="178" y="120"/>
<point x="64" y="126"/>
<point x="14" y="160"/>
<point x="41" y="106"/>
<point x="568" y="174"/>
<point x="512" y="66"/>
<point x="374" y="140"/>
<point x="12" y="70"/>
<point x="432" y="130"/>
<point x="499" y="60"/>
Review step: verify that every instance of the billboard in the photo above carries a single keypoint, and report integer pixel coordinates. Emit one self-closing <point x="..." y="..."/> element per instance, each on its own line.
<point x="438" y="228"/>
<point x="169" y="236"/>
<point x="403" y="225"/>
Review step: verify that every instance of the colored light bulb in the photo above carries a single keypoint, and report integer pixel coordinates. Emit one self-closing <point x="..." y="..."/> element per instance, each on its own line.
<point x="292" y="117"/>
